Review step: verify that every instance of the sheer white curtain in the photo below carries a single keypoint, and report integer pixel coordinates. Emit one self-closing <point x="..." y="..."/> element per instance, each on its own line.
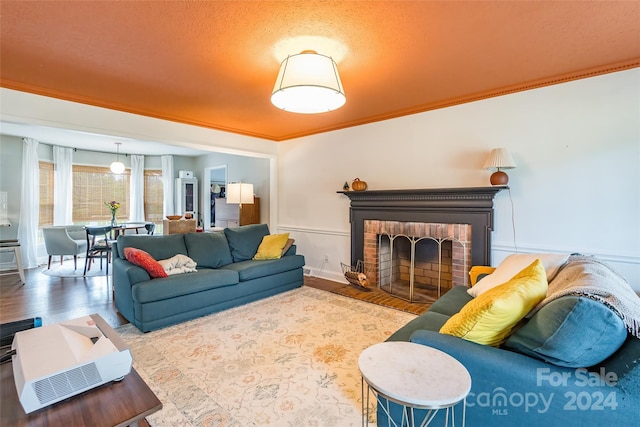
<point x="136" y="193"/>
<point x="167" y="184"/>
<point x="62" y="185"/>
<point x="29" y="203"/>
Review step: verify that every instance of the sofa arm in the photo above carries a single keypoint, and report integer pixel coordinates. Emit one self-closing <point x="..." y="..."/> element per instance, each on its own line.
<point x="479" y="270"/>
<point x="126" y="274"/>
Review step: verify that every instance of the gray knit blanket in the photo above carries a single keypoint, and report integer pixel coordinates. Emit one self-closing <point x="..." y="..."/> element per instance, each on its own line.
<point x="588" y="277"/>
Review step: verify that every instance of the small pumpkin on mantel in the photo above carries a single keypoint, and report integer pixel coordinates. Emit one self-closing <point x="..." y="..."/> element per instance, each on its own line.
<point x="358" y="185"/>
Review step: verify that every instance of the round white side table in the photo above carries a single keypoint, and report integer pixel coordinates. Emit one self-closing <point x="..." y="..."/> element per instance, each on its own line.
<point x="416" y="377"/>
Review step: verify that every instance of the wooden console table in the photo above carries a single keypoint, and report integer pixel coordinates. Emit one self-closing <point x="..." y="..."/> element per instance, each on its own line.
<point x="120" y="403"/>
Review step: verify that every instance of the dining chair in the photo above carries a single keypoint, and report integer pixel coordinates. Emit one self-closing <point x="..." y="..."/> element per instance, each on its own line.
<point x="151" y="228"/>
<point x="98" y="246"/>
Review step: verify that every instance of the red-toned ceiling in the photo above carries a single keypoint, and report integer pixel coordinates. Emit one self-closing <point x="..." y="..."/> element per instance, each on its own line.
<point x="214" y="63"/>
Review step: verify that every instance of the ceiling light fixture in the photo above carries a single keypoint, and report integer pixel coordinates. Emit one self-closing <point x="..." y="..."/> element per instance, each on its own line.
<point x="117" y="167"/>
<point x="308" y="83"/>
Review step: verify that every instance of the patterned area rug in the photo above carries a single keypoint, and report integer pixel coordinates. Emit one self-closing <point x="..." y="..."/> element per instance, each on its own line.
<point x="288" y="360"/>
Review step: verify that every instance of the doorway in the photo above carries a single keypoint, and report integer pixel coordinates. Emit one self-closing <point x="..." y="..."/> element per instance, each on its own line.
<point x="214" y="187"/>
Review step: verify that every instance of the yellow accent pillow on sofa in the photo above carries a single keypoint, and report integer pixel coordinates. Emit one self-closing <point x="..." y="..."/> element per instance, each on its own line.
<point x="489" y="318"/>
<point x="271" y="246"/>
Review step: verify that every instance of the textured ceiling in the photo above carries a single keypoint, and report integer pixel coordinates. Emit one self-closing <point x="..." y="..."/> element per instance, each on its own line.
<point x="214" y="63"/>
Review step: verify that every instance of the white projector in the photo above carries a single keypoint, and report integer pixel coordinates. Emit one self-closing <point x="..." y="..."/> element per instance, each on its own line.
<point x="58" y="361"/>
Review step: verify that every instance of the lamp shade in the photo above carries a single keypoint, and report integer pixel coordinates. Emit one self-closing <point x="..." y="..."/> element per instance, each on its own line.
<point x="499" y="158"/>
<point x="240" y="192"/>
<point x="117" y="167"/>
<point x="308" y="83"/>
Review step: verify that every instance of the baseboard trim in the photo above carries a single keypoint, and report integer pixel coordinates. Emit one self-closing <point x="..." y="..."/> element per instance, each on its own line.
<point x="327" y="275"/>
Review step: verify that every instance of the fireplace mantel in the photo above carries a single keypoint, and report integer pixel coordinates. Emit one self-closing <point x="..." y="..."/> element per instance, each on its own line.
<point x="467" y="205"/>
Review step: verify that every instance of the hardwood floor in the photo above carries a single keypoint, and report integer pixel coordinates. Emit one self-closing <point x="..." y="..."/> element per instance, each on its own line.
<point x="56" y="299"/>
<point x="375" y="296"/>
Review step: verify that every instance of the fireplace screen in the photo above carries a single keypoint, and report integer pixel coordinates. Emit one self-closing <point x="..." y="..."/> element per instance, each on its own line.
<point x="416" y="269"/>
<point x="418" y="262"/>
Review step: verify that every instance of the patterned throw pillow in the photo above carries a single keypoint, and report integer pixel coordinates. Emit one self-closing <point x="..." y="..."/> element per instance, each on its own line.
<point x="143" y="259"/>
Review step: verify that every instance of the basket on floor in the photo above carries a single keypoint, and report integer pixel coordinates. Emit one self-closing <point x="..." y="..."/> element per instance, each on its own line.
<point x="356" y="275"/>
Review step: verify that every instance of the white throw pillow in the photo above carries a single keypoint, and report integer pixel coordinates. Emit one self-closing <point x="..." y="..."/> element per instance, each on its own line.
<point x="515" y="263"/>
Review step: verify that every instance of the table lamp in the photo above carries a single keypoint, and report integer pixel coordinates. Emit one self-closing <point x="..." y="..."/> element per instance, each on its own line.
<point x="499" y="159"/>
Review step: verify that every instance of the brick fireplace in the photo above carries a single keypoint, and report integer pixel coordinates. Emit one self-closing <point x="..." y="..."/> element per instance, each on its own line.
<point x="454" y="224"/>
<point x="416" y="261"/>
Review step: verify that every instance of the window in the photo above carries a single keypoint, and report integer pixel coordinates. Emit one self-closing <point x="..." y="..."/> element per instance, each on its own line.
<point x="153" y="196"/>
<point x="46" y="194"/>
<point x="95" y="185"/>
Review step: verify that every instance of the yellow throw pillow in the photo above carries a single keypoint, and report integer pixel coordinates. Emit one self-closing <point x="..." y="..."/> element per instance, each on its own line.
<point x="271" y="246"/>
<point x="489" y="318"/>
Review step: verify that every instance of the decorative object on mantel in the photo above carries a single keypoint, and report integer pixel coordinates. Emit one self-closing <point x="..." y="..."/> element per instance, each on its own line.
<point x="356" y="275"/>
<point x="345" y="187"/>
<point x="499" y="158"/>
<point x="358" y="185"/>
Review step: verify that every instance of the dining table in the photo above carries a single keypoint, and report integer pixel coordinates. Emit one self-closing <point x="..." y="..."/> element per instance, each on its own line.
<point x="123" y="227"/>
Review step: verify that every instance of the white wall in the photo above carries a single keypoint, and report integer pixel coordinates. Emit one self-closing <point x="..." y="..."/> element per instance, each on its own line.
<point x="576" y="187"/>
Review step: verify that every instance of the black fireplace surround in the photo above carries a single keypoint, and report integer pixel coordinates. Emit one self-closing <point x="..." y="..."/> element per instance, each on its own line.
<point x="469" y="205"/>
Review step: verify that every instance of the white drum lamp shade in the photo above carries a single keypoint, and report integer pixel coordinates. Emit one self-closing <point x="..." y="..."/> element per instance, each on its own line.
<point x="308" y="83"/>
<point x="240" y="192"/>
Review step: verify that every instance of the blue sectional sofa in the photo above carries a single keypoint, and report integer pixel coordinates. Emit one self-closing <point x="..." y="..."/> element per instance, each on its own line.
<point x="519" y="384"/>
<point x="226" y="275"/>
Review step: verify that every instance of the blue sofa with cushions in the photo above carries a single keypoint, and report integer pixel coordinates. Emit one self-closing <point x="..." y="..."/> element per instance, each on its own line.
<point x="572" y="362"/>
<point x="226" y="275"/>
